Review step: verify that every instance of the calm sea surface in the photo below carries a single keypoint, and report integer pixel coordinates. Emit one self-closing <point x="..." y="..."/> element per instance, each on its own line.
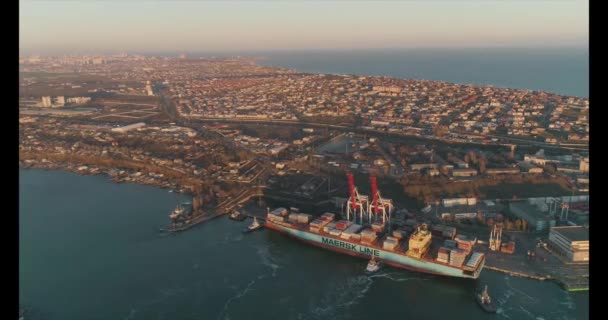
<point x="558" y="70"/>
<point x="90" y="249"/>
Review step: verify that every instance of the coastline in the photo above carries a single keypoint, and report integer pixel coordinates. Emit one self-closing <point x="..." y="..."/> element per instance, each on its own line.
<point x="91" y="170"/>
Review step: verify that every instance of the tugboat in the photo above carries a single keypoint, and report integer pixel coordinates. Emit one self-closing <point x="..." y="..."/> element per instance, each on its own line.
<point x="485" y="302"/>
<point x="253" y="226"/>
<point x="235" y="215"/>
<point x="373" y="266"/>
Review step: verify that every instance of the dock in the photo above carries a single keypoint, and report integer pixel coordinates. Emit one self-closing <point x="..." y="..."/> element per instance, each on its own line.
<point x="546" y="266"/>
<point x="221" y="209"/>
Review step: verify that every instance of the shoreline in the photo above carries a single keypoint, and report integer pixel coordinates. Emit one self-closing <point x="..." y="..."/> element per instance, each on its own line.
<point x="105" y="172"/>
<point x="97" y="171"/>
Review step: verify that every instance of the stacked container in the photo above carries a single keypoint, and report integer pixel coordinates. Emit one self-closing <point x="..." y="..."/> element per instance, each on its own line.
<point x="304" y="218"/>
<point x="277" y="215"/>
<point x="378" y="226"/>
<point x="368" y="236"/>
<point x="390" y="243"/>
<point x="457" y="257"/>
<point x="342" y="225"/>
<point x="329" y="226"/>
<point x="464" y="243"/>
<point x="279" y="212"/>
<point x="335" y="232"/>
<point x="443" y="255"/>
<point x="316" y="225"/>
<point x="350" y="231"/>
<point x="293" y="217"/>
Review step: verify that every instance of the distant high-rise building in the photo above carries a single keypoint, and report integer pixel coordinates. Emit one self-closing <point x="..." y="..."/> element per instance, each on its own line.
<point x="60" y="101"/>
<point x="182" y="56"/>
<point x="584" y="165"/>
<point x="46" y="102"/>
<point x="149" y="90"/>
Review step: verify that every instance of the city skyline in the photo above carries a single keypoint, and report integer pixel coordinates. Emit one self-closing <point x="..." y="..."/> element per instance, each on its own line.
<point x="147" y="26"/>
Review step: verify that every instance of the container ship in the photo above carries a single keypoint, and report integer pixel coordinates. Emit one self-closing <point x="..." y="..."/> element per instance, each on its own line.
<point x="366" y="233"/>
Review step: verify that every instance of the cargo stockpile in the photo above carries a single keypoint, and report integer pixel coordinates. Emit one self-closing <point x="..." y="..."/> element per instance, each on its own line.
<point x="508" y="247"/>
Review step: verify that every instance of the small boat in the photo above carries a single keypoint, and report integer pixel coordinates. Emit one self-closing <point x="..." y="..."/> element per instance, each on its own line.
<point x="235" y="215"/>
<point x="373" y="266"/>
<point x="253" y="226"/>
<point x="484" y="301"/>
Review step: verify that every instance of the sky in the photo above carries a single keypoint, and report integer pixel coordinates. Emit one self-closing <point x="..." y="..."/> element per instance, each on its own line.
<point x="206" y="26"/>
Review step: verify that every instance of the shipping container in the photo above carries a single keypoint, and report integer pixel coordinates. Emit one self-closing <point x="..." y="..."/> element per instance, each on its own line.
<point x="400" y="234"/>
<point x="335" y="232"/>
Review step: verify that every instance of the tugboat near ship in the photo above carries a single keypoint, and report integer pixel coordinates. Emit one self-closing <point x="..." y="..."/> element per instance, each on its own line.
<point x="255" y="225"/>
<point x="485" y="302"/>
<point x="373" y="266"/>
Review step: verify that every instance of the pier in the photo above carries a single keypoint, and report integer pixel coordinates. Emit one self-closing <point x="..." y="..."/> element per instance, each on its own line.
<point x="221" y="209"/>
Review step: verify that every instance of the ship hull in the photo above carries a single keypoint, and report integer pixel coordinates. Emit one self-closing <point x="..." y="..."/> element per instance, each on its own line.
<point x="363" y="251"/>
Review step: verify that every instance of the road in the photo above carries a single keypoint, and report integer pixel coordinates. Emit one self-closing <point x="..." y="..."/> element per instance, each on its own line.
<point x="518" y="141"/>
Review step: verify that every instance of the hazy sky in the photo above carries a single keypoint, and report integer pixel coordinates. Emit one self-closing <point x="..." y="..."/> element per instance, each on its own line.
<point x="147" y="25"/>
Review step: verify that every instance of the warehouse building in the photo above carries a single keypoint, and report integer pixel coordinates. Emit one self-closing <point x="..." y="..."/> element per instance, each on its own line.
<point x="129" y="127"/>
<point x="537" y="215"/>
<point x="570" y="242"/>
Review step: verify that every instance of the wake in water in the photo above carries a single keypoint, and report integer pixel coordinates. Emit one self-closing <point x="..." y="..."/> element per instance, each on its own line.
<point x="396" y="276"/>
<point x="267" y="259"/>
<point x="238" y="295"/>
<point x="340" y="297"/>
<point x="508" y="283"/>
<point x="164" y="294"/>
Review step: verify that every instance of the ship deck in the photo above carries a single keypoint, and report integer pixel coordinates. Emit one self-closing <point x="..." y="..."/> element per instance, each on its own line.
<point x="377" y="244"/>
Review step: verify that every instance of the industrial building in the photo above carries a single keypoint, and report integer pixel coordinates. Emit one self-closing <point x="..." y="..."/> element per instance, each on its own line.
<point x="570" y="242"/>
<point x="529" y="167"/>
<point x="536" y="214"/>
<point x="129" y="127"/>
<point x="464" y="172"/>
<point x="46" y="102"/>
<point x="502" y="171"/>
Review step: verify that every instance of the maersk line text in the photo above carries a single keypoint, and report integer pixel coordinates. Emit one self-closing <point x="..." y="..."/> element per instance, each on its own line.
<point x="350" y="246"/>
